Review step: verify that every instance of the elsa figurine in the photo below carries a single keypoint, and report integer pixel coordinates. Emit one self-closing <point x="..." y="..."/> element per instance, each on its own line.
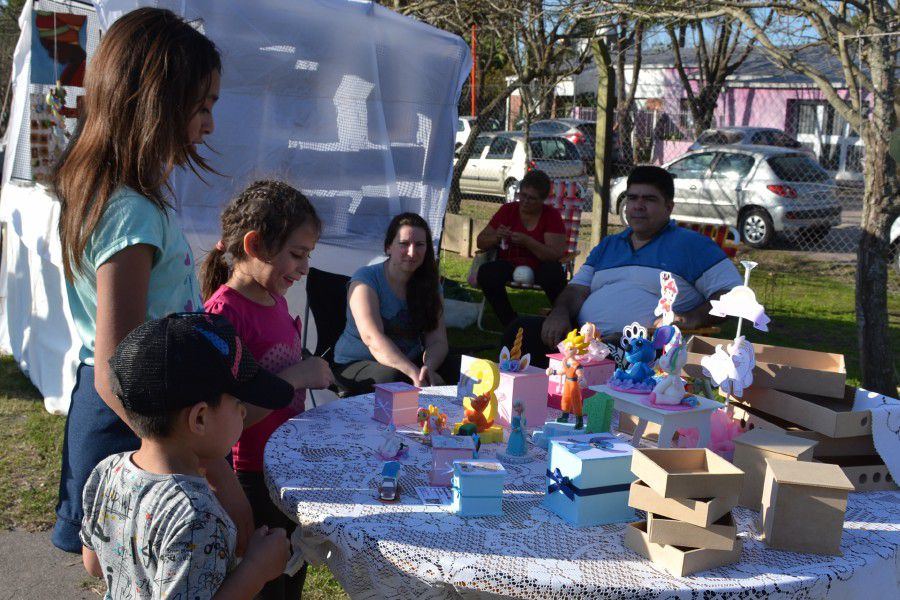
<point x="516" y="444"/>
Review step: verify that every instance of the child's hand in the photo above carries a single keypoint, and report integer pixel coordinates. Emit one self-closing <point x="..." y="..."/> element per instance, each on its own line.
<point x="313" y="372"/>
<point x="268" y="552"/>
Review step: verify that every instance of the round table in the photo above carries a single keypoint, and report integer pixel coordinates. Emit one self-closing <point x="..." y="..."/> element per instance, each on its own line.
<point x="322" y="471"/>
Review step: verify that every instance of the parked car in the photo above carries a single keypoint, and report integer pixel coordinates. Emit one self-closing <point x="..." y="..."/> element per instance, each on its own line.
<point x="498" y="162"/>
<point x="749" y="136"/>
<point x="464" y="128"/>
<point x="578" y="131"/>
<point x="761" y="190"/>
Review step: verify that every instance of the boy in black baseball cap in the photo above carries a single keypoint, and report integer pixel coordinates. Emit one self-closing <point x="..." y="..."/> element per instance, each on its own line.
<point x="151" y="523"/>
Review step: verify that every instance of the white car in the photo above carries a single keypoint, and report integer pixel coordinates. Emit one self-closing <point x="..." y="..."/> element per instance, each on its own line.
<point x="498" y="162"/>
<point x="463" y="129"/>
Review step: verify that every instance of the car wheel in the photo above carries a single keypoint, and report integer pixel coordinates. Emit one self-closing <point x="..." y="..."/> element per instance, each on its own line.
<point x="511" y="189"/>
<point x="756" y="228"/>
<point x="621" y="211"/>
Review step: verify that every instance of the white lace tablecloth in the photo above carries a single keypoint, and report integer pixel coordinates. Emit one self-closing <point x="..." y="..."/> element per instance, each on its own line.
<point x="322" y="471"/>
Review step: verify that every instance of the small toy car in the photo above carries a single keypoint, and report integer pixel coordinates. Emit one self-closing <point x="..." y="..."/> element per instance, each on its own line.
<point x="387" y="490"/>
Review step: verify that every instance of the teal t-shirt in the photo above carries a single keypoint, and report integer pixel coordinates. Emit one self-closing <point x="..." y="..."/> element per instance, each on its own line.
<point x="395" y="319"/>
<point x="129" y="219"/>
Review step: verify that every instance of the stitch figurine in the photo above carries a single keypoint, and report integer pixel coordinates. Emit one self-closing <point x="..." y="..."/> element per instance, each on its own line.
<point x="640" y="353"/>
<point x="573" y="345"/>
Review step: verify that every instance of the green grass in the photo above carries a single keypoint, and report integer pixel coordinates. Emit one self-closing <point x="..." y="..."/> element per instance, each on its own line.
<point x="811" y="304"/>
<point x="30" y="451"/>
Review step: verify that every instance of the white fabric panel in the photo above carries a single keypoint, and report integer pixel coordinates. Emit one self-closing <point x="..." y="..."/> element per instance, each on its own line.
<point x="350" y="102"/>
<point x="35" y="324"/>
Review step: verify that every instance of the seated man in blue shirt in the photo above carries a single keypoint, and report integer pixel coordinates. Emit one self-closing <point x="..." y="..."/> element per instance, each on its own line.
<point x="619" y="282"/>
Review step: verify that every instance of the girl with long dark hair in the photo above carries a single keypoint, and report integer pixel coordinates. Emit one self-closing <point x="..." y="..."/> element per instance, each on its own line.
<point x="395" y="327"/>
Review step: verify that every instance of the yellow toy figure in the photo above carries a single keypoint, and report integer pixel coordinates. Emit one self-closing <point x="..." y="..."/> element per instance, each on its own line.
<point x="482" y="408"/>
<point x="573" y="345"/>
<point x="432" y="420"/>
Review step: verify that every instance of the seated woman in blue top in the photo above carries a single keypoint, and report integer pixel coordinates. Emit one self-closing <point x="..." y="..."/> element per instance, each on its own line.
<point x="395" y="326"/>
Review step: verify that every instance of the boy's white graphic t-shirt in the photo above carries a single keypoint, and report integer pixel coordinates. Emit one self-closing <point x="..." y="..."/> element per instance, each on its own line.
<point x="156" y="536"/>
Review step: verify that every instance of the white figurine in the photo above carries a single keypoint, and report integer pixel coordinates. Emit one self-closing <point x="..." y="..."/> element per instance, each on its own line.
<point x="391" y="447"/>
<point x="670" y="389"/>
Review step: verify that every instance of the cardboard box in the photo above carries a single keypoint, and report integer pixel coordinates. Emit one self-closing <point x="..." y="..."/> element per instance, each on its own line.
<point x="701" y="512"/>
<point x="528" y="386"/>
<point x="588" y="479"/>
<point x="750" y="453"/>
<point x="866" y="473"/>
<point x="828" y="416"/>
<point x="686" y="472"/>
<point x="444" y="450"/>
<point x="596" y="372"/>
<point x="803" y="506"/>
<point x="396" y="403"/>
<point x="751" y="418"/>
<point x="789" y="369"/>
<point x="721" y="535"/>
<point x="677" y="560"/>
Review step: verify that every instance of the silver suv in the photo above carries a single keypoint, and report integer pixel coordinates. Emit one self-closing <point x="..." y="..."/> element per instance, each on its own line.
<point x="761" y="190"/>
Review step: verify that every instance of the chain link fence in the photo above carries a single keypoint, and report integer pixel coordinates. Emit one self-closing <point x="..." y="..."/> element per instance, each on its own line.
<point x="775" y="164"/>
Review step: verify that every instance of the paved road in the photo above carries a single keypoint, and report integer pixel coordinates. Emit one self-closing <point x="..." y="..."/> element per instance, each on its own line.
<point x="32" y="568"/>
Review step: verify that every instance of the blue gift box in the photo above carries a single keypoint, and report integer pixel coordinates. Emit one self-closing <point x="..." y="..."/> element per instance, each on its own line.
<point x="478" y="487"/>
<point x="588" y="479"/>
<point x="476" y="506"/>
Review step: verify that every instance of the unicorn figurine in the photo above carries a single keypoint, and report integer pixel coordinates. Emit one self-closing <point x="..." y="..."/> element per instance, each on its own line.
<point x="670" y="389"/>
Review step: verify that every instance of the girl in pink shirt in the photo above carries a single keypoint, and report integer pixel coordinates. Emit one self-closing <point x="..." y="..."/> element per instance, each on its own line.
<point x="268" y="233"/>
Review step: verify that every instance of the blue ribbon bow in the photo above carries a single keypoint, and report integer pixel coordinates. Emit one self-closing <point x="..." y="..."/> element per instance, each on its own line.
<point x="563" y="484"/>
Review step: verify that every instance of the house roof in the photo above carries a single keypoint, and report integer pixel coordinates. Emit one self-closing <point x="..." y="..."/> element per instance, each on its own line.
<point x="759" y="70"/>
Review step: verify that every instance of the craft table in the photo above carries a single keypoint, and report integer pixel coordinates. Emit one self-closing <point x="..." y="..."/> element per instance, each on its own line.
<point x="669" y="421"/>
<point x="321" y="470"/>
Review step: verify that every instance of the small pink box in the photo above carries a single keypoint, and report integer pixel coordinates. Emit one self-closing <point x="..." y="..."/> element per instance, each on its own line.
<point x="596" y="372"/>
<point x="444" y="450"/>
<point x="396" y="403"/>
<point x="529" y="386"/>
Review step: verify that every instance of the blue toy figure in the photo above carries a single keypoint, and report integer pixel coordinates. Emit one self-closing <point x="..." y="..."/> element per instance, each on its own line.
<point x="640" y="353"/>
<point x="515" y="446"/>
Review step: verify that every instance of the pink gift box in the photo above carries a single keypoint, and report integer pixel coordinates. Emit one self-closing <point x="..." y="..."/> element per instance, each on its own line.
<point x="444" y="450"/>
<point x="528" y="386"/>
<point x="596" y="372"/>
<point x="396" y="403"/>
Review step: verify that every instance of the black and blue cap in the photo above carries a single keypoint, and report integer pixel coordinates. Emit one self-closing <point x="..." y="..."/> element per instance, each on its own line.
<point x="185" y="358"/>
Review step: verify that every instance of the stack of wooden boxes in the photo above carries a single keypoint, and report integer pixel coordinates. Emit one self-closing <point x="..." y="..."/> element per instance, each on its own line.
<point x="688" y="495"/>
<point x="804" y="393"/>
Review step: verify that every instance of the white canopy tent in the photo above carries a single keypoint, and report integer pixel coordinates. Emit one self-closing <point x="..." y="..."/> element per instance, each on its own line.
<point x="348" y="101"/>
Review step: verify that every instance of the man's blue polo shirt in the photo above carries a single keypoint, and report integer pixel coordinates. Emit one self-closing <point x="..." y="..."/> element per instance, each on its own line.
<point x="624" y="282"/>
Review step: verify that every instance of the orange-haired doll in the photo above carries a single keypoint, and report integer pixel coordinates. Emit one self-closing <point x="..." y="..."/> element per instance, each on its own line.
<point x="573" y="345"/>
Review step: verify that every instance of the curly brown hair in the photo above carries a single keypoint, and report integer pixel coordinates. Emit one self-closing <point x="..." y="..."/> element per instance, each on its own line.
<point x="272" y="208"/>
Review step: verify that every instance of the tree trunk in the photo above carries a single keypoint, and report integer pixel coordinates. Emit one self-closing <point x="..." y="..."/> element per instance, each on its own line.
<point x="466" y="150"/>
<point x="879" y="208"/>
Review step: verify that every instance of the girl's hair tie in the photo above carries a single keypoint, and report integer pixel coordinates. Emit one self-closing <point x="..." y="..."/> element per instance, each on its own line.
<point x="220" y="246"/>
